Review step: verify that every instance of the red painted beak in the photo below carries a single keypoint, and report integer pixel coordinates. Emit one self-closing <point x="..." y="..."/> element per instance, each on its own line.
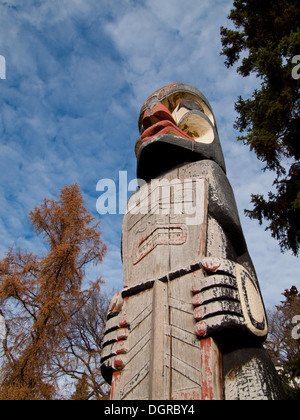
<point x="158" y="121"/>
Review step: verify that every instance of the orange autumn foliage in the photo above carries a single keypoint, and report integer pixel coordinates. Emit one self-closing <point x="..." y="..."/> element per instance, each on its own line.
<point x="41" y="296"/>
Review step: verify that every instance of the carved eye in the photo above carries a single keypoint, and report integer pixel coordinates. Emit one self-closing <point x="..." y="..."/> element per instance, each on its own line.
<point x="190" y="104"/>
<point x="188" y="119"/>
<point x="185" y="106"/>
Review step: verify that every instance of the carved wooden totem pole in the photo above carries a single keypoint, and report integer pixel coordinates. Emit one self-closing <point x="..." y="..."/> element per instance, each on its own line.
<point x="190" y="321"/>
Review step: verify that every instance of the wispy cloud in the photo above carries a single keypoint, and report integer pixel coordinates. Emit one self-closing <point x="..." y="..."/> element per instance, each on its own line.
<point x="77" y="73"/>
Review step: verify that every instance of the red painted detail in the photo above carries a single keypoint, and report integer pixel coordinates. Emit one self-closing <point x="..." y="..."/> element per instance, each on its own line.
<point x="114" y="384"/>
<point x="199" y="313"/>
<point x="114" y="302"/>
<point x="162" y="113"/>
<point x="124" y="322"/>
<point x="191" y="395"/>
<point x="146" y="119"/>
<point x="201" y="242"/>
<point x="158" y="90"/>
<point x="122" y="334"/>
<point x="171" y="84"/>
<point x="158" y="113"/>
<point x="211" y="265"/>
<point x="162" y="235"/>
<point x="195" y="289"/>
<point x="207" y="391"/>
<point x="201" y="329"/>
<point x="121" y="348"/>
<point x="118" y="363"/>
<point x="163" y="127"/>
<point x="197" y="299"/>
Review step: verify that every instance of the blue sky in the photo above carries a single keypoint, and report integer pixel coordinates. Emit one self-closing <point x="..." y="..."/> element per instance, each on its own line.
<point x="77" y="73"/>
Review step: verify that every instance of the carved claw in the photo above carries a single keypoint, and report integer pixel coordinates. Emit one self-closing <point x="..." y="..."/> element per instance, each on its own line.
<point x="114" y="348"/>
<point x="228" y="298"/>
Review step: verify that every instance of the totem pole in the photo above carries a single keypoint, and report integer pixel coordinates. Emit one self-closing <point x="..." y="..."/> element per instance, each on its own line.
<point x="190" y="321"/>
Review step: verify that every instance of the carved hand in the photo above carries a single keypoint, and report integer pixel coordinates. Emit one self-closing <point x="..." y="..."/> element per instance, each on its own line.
<point x="228" y="299"/>
<point x="114" y="342"/>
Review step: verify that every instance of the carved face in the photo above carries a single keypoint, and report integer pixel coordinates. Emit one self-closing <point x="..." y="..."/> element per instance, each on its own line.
<point x="181" y="114"/>
<point x="176" y="117"/>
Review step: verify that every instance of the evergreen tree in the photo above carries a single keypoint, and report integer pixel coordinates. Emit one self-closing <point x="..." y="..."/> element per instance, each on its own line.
<point x="266" y="41"/>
